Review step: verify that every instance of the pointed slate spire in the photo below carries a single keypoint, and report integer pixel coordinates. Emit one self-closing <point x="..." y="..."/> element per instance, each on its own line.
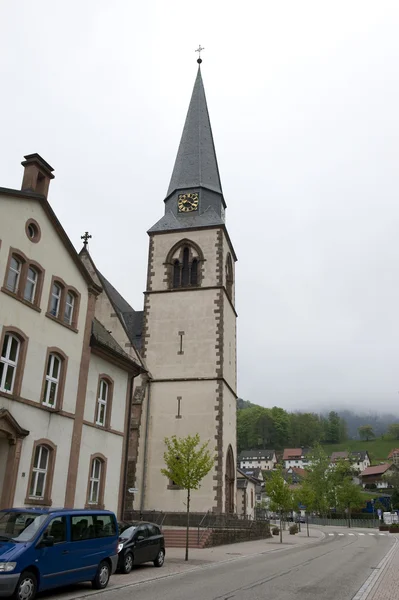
<point x="196" y="164"/>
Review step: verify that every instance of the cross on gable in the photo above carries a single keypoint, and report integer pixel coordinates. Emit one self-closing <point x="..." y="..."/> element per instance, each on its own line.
<point x="85" y="237"/>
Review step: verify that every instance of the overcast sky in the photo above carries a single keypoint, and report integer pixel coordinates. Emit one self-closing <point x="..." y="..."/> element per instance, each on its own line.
<point x="303" y="99"/>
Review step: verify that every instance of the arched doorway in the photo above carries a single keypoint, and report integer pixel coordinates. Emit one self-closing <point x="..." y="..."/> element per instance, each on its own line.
<point x="11" y="437"/>
<point x="230" y="482"/>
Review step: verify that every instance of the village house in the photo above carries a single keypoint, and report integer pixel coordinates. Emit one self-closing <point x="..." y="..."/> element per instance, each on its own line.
<point x="375" y="475"/>
<point x="394" y="456"/>
<point x="359" y="460"/>
<point x="247" y="487"/>
<point x="296" y="457"/>
<point x="263" y="459"/>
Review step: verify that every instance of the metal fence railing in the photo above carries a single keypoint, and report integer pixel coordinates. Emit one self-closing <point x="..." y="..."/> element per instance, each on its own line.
<point x="369" y="523"/>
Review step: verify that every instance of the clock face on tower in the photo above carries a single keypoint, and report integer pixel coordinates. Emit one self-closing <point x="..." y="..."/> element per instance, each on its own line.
<point x="188" y="202"/>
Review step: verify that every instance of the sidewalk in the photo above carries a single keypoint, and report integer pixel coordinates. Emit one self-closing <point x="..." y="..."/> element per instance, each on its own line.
<point x="198" y="558"/>
<point x="387" y="585"/>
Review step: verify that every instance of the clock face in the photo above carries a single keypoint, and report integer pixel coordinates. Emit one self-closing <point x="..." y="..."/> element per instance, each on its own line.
<point x="188" y="202"/>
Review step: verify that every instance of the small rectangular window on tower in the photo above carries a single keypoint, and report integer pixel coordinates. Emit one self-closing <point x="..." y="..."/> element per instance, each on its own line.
<point x="179" y="415"/>
<point x="180" y="351"/>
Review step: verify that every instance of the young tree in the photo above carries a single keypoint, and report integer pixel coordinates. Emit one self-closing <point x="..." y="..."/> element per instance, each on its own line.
<point x="186" y="465"/>
<point x="318" y="479"/>
<point x="366" y="432"/>
<point x="305" y="496"/>
<point x="348" y="496"/>
<point x="280" y="495"/>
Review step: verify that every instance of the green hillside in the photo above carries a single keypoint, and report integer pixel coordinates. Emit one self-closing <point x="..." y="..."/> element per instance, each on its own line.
<point x="378" y="449"/>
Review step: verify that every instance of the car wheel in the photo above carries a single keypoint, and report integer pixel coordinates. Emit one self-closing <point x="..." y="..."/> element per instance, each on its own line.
<point x="102" y="576"/>
<point x="27" y="586"/>
<point x="160" y="559"/>
<point x="127" y="563"/>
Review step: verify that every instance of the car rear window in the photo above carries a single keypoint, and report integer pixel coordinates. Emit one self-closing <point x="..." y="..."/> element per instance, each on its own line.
<point x="87" y="527"/>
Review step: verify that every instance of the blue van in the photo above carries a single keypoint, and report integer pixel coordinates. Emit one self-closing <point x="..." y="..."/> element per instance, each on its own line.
<point x="46" y="548"/>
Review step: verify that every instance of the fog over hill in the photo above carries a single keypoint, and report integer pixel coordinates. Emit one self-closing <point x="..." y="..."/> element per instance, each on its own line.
<point x="379" y="421"/>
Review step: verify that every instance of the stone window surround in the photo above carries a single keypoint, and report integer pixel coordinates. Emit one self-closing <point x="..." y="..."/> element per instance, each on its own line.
<point x="108" y="408"/>
<point x="65" y="289"/>
<point x="26" y="263"/>
<point x="103" y="475"/>
<point x="38" y="235"/>
<point x="194" y="252"/>
<point x="229" y="276"/>
<point x="61" y="380"/>
<point x="23" y="340"/>
<point x="46" y="501"/>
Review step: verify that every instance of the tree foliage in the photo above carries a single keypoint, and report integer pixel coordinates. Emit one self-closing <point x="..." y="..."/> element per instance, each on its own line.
<point x="281" y="498"/>
<point x="259" y="427"/>
<point x="187" y="463"/>
<point x="366" y="432"/>
<point x="393" y="430"/>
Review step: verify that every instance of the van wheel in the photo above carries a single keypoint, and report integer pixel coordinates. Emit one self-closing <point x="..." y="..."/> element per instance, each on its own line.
<point x="127" y="563"/>
<point x="27" y="586"/>
<point x="102" y="576"/>
<point x="160" y="559"/>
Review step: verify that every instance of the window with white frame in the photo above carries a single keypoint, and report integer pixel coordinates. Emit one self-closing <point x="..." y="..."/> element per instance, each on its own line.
<point x="102" y="402"/>
<point x="30" y="285"/>
<point x="52" y="382"/>
<point x="69" y="306"/>
<point x="14" y="273"/>
<point x="39" y="473"/>
<point x="9" y="362"/>
<point x="95" y="480"/>
<point x="55" y="300"/>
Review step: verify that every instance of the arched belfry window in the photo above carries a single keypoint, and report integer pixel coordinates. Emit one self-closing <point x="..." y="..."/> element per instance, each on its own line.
<point x="229" y="276"/>
<point x="184" y="261"/>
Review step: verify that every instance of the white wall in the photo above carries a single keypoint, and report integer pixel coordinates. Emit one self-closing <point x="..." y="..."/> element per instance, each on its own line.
<point x="99" y="366"/>
<point x="111" y="446"/>
<point x="41" y="425"/>
<point x="42" y="332"/>
<point x="198" y="416"/>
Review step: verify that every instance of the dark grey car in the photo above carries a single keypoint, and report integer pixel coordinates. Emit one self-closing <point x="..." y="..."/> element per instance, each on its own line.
<point x="140" y="542"/>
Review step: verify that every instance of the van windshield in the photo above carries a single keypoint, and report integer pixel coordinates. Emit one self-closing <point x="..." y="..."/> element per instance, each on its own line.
<point x="20" y="526"/>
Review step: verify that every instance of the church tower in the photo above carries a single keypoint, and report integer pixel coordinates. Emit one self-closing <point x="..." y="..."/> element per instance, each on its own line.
<point x="189" y="329"/>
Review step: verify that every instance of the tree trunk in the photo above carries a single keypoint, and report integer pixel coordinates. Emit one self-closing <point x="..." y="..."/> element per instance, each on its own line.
<point x="281" y="527"/>
<point x="307" y="523"/>
<point x="349" y="515"/>
<point x="188" y="523"/>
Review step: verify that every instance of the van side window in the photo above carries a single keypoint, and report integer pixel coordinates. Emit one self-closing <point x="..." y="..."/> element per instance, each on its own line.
<point x="56" y="529"/>
<point x="88" y="527"/>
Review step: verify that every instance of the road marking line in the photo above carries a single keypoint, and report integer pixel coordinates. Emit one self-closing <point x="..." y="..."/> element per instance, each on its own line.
<point x="351" y="534"/>
<point x="362" y="534"/>
<point x="371" y="533"/>
<point x="381" y="534"/>
<point x="341" y="534"/>
<point x="330" y="534"/>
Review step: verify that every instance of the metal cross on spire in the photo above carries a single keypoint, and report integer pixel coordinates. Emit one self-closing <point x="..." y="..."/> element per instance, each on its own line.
<point x="85" y="237"/>
<point x="199" y="50"/>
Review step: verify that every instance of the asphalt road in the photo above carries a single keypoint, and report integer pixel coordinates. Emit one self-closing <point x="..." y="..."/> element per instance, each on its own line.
<point x="333" y="569"/>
